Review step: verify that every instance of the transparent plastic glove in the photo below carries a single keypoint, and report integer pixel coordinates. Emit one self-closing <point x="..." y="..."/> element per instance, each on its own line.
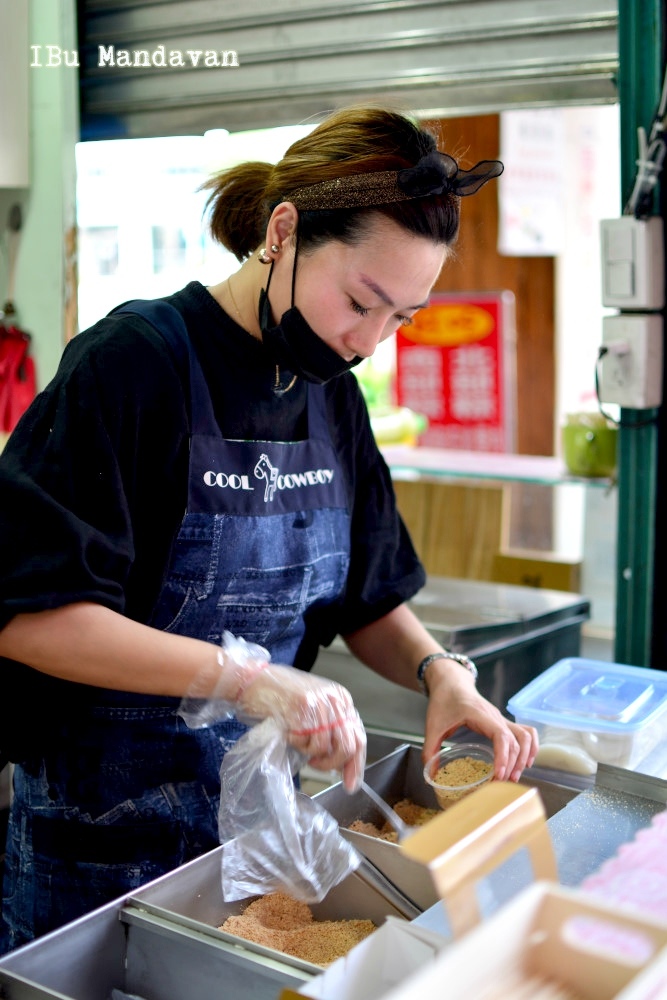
<point x="317" y="715"/>
<point x="275" y="838"/>
<point x="213" y="694"/>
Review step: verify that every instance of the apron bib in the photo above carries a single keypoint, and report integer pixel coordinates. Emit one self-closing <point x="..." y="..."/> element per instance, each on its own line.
<point x="133" y="793"/>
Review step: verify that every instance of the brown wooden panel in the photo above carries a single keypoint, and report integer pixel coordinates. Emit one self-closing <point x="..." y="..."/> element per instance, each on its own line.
<point x="412" y="500"/>
<point x="457" y="529"/>
<point x="477" y="266"/>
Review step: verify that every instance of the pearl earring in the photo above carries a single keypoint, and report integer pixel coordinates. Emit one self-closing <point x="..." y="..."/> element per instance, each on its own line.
<point x="264" y="257"/>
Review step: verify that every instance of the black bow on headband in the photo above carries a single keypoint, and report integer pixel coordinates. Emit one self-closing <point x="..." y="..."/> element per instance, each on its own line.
<point x="439" y="173"/>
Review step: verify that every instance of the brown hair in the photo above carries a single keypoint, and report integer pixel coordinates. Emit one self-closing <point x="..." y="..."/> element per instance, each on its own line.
<point x="350" y="141"/>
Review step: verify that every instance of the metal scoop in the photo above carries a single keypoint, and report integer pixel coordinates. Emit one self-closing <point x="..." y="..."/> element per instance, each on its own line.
<point x="401" y="828"/>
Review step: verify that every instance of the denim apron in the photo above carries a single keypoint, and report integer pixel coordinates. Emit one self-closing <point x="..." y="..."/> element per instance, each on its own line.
<point x="131" y="793"/>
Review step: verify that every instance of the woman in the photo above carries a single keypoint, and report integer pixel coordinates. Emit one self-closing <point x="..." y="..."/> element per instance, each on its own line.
<point x="235" y="405"/>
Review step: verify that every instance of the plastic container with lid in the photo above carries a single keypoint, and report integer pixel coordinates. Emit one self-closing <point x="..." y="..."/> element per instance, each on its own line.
<point x="588" y="712"/>
<point x="474" y="759"/>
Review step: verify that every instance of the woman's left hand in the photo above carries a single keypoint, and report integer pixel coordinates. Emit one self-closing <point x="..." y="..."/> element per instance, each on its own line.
<point x="454" y="701"/>
<point x="394" y="646"/>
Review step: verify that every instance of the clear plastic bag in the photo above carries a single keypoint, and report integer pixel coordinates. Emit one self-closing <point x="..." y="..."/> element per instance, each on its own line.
<point x="275" y="838"/>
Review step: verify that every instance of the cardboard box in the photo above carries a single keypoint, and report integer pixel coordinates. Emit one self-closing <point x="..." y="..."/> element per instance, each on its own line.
<point x="550" y="942"/>
<point x="533" y="568"/>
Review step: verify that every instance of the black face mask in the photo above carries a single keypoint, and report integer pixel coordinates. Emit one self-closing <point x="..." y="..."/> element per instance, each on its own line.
<point x="295" y="345"/>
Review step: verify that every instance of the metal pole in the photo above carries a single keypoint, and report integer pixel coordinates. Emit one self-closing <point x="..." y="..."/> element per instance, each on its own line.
<point x="640" y="575"/>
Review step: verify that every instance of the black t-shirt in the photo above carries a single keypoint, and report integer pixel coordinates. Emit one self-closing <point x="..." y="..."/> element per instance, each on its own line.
<point x="93" y="481"/>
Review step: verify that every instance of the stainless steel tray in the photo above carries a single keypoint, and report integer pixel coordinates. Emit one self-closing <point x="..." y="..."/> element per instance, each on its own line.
<point x="399" y="775"/>
<point x="191" y="898"/>
<point x="396" y="776"/>
<point x="122" y="949"/>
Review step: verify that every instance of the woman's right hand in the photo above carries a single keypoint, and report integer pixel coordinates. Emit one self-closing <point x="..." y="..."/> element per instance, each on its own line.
<point x="317" y="714"/>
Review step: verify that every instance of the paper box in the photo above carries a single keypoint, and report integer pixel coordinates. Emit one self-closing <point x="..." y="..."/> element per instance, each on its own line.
<point x="391" y="955"/>
<point x="549" y="942"/>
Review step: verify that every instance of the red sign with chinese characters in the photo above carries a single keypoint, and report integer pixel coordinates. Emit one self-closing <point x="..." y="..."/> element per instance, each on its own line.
<point x="455" y="365"/>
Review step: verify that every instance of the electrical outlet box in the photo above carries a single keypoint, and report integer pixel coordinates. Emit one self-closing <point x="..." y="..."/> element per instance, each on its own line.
<point x="633" y="275"/>
<point x="630" y="372"/>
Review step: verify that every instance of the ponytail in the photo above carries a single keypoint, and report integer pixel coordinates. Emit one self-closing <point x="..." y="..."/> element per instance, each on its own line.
<point x="239" y="207"/>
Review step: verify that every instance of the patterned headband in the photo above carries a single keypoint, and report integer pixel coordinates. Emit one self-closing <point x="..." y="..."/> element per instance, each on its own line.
<point x="436" y="173"/>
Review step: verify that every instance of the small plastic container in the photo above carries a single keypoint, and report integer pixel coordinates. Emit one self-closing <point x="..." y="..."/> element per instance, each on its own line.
<point x="609" y="713"/>
<point x="474" y="755"/>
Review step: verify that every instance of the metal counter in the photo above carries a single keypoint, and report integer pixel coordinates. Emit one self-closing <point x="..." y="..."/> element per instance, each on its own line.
<point x="587" y="830"/>
<point x="399" y="775"/>
<point x="162" y="942"/>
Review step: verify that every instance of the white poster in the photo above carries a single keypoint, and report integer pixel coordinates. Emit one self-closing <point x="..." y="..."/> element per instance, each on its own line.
<point x="531" y="195"/>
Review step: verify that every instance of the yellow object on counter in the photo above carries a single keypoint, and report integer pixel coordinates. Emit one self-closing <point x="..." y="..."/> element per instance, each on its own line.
<point x="397" y="425"/>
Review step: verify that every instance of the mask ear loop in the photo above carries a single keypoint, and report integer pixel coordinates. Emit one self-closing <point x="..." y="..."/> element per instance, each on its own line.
<point x="296" y="254"/>
<point x="268" y="280"/>
<point x="265" y="316"/>
<point x="264" y="304"/>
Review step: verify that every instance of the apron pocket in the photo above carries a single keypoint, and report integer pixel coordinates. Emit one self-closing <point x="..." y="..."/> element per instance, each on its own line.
<point x="263" y="605"/>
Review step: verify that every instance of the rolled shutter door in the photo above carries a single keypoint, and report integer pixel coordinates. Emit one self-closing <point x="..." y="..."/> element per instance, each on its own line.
<point x="185" y="66"/>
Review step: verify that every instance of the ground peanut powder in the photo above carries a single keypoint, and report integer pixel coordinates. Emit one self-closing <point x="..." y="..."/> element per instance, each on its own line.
<point x="409" y="812"/>
<point x="462" y="771"/>
<point x="457" y="773"/>
<point x="280" y="922"/>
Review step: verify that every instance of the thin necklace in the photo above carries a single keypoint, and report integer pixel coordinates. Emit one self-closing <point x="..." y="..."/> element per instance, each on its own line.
<point x="234" y="302"/>
<point x="277" y="387"/>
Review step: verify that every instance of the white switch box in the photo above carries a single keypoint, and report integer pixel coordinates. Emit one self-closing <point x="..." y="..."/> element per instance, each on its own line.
<point x="633" y="275"/>
<point x="630" y="371"/>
